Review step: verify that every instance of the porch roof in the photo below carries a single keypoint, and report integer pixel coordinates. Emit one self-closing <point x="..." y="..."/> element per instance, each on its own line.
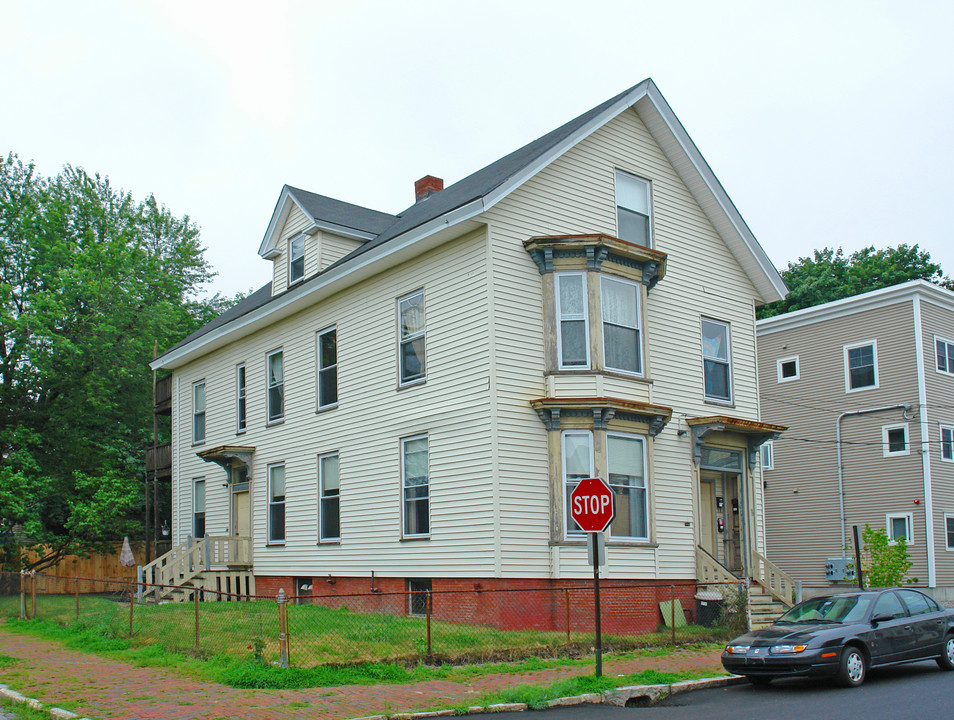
<point x="756" y="432"/>
<point x="224" y="454"/>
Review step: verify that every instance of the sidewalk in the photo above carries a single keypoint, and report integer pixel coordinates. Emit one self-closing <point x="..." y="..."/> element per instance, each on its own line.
<point x="98" y="688"/>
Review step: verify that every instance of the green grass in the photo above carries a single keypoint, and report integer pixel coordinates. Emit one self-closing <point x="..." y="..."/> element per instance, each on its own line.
<point x="22" y="711"/>
<point x="328" y="647"/>
<point x="6" y="661"/>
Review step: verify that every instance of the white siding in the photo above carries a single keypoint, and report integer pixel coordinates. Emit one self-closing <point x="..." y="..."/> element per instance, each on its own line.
<point x="575" y="194"/>
<point x="296" y="222"/>
<point x="452" y="407"/>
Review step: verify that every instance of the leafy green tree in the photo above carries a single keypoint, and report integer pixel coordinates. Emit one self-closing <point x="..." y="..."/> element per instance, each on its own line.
<point x="90" y="280"/>
<point x="883" y="563"/>
<point x="828" y="275"/>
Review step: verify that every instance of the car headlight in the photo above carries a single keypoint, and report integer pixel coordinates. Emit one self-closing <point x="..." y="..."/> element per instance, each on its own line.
<point x="737" y="649"/>
<point x="787" y="649"/>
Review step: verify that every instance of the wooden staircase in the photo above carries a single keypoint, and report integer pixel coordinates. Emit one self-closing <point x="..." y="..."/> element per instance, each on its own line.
<point x="218" y="568"/>
<point x="770" y="590"/>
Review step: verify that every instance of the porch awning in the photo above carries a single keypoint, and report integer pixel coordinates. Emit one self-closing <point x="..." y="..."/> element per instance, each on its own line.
<point x="755" y="432"/>
<point x="602" y="410"/>
<point x="224" y="455"/>
<point x="596" y="249"/>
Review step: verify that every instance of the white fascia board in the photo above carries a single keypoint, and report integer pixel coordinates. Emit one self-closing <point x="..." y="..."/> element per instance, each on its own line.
<point x="857" y="303"/>
<point x="728" y="220"/>
<point x="339" y="230"/>
<point x="279" y="215"/>
<point x="302" y="296"/>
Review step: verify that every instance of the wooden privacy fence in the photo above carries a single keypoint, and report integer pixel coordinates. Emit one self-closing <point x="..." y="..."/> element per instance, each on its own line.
<point x="60" y="579"/>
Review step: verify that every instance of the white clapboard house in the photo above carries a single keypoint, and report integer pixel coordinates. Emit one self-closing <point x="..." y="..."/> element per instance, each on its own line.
<point x="410" y="401"/>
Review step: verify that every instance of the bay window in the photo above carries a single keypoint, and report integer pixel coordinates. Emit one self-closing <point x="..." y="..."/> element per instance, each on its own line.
<point x="572" y="342"/>
<point x="619" y="302"/>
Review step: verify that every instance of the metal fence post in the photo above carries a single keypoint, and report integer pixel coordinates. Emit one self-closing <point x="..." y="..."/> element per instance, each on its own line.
<point x="566" y="602"/>
<point x="131" y="605"/>
<point x="76" y="592"/>
<point x="23" y="595"/>
<point x="672" y="613"/>
<point x="282" y="628"/>
<point x="33" y="592"/>
<point x="428" y="611"/>
<point x="195" y="603"/>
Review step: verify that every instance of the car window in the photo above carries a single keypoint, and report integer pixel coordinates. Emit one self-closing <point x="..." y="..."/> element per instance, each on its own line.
<point x="850" y="608"/>
<point x="917" y="603"/>
<point x="889" y="604"/>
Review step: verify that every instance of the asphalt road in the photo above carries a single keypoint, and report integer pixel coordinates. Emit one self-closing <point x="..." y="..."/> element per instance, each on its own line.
<point x="910" y="692"/>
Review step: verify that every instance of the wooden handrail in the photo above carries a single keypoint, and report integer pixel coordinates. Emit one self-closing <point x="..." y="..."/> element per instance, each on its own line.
<point x="779" y="583"/>
<point x="710" y="570"/>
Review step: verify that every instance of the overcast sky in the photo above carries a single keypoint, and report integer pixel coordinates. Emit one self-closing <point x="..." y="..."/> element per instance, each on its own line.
<point x="828" y="123"/>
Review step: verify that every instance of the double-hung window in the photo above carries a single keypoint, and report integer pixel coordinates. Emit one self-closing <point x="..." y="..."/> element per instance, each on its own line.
<point x="240" y="397"/>
<point x="899" y="525"/>
<point x="626" y="466"/>
<point x="198" y="412"/>
<point x="577" y="464"/>
<point x="276" y="504"/>
<point x="296" y="259"/>
<point x="327" y="368"/>
<point x="412" y="333"/>
<point x="767" y="455"/>
<point x="572" y="331"/>
<point x="415" y="486"/>
<point x="329" y="491"/>
<point x="632" y="210"/>
<point x="944" y="350"/>
<point x="619" y="302"/>
<point x="895" y="440"/>
<point x="947" y="442"/>
<point x="949" y="530"/>
<point x="276" y="386"/>
<point x="715" y="360"/>
<point x="198" y="508"/>
<point x="861" y="366"/>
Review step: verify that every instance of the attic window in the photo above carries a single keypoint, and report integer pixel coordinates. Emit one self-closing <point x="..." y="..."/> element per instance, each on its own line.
<point x="296" y="259"/>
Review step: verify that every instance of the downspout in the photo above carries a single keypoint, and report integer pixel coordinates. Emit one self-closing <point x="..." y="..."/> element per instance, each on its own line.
<point x="841" y="471"/>
<point x="925" y="446"/>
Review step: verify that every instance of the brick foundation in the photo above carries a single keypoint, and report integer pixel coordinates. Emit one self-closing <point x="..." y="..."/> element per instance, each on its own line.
<point x="628" y="606"/>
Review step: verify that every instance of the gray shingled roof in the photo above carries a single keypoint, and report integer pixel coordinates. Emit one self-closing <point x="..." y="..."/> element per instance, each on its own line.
<point x="342" y="213"/>
<point x="387" y="227"/>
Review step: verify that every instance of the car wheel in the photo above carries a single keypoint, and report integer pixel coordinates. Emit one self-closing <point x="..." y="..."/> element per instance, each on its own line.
<point x="946" y="660"/>
<point x="759" y="680"/>
<point x="853" y="667"/>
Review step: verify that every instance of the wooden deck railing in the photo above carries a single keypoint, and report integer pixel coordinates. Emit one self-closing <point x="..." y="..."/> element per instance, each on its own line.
<point x="710" y="570"/>
<point x="194" y="556"/>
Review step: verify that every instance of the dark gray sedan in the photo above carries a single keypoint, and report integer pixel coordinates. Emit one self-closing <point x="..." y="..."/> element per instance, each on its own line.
<point x="844" y="635"/>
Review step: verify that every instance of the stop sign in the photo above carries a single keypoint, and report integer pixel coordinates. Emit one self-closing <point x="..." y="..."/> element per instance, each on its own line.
<point x="592" y="505"/>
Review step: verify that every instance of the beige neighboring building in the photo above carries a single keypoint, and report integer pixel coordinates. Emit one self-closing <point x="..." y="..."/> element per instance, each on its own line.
<point x="875" y="371"/>
<point x="410" y="401"/>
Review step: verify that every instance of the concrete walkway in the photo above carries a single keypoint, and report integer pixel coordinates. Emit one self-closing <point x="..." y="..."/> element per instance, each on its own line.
<point x="95" y="687"/>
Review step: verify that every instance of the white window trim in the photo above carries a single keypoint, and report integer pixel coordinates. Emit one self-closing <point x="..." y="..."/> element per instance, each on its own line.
<point x="241" y="398"/>
<point x="269" y="420"/>
<point x="947" y="518"/>
<point x="941" y="428"/>
<point x="649" y="202"/>
<point x="874" y="355"/>
<point x="885" y="429"/>
<point x="767" y="455"/>
<point x="319" y="368"/>
<point x="782" y="361"/>
<point x="401" y="340"/>
<point x="643" y="443"/>
<point x="291" y="242"/>
<point x="559" y="319"/>
<point x="321" y="496"/>
<point x="195" y="414"/>
<point x="404" y="441"/>
<point x="567" y="534"/>
<point x="205" y="500"/>
<point x="950" y="343"/>
<point x="727" y="361"/>
<point x="639" y="329"/>
<point x="909" y="518"/>
<point x="268" y="500"/>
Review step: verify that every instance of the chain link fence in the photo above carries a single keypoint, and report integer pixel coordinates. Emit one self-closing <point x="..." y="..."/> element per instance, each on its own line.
<point x="421" y="626"/>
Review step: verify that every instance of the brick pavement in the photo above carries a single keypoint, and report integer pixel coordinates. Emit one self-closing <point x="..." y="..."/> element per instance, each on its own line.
<point x="100" y="688"/>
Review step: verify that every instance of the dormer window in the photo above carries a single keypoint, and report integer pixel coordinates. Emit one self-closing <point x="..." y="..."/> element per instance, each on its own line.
<point x="633" y="222"/>
<point x="296" y="259"/>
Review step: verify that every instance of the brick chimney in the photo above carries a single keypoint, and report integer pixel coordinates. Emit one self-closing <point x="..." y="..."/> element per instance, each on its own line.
<point x="427" y="186"/>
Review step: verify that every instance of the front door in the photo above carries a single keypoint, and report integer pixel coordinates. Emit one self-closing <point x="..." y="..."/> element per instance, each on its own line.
<point x="720" y="526"/>
<point x="241" y="514"/>
<point x="707" y="521"/>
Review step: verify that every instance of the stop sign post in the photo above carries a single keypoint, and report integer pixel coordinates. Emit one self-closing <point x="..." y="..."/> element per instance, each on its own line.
<point x="593" y="507"/>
